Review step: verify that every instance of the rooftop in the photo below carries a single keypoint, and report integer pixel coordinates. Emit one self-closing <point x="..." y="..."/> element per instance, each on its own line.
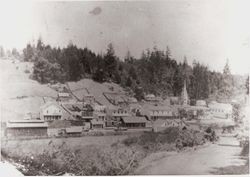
<point x="134" y="119"/>
<point x="74" y="129"/>
<point x="27" y="125"/>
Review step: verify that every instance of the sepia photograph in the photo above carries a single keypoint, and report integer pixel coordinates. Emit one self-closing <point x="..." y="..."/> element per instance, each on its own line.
<point x="115" y="88"/>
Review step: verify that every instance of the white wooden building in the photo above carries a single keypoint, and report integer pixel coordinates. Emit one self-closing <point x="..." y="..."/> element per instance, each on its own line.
<point x="51" y="111"/>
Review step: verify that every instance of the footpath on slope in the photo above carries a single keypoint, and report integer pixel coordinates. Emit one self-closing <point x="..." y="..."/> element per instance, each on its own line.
<point x="202" y="161"/>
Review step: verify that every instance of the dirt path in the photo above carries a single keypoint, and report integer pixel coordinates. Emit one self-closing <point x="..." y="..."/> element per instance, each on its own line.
<point x="202" y="161"/>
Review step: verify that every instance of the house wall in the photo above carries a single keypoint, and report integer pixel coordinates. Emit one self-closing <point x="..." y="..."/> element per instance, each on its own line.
<point x="52" y="110"/>
<point x="96" y="126"/>
<point x="15" y="132"/>
<point x="220" y="110"/>
<point x="134" y="125"/>
<point x="161" y="114"/>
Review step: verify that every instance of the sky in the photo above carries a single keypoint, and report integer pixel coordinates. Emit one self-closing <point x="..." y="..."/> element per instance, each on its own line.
<point x="208" y="31"/>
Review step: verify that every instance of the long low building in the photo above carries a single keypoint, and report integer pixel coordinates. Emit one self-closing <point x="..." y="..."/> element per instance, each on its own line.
<point x="16" y="128"/>
<point x="154" y="112"/>
<point x="133" y="122"/>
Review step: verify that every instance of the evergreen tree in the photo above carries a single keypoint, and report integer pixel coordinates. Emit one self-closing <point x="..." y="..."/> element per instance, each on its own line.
<point x="41" y="70"/>
<point x="110" y="62"/>
<point x="129" y="82"/>
<point x="28" y="53"/>
<point x="2" y="53"/>
<point x="227" y="84"/>
<point x="247" y="85"/>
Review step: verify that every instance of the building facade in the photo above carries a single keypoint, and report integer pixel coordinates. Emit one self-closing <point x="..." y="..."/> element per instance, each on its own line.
<point x="24" y="128"/>
<point x="51" y="111"/>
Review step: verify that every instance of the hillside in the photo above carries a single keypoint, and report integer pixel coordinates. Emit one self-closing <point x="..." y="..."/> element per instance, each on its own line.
<point x="19" y="94"/>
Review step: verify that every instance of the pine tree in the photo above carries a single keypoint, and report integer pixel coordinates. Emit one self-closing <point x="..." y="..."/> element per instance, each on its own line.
<point x="247" y="85"/>
<point x="2" y="53"/>
<point x="110" y="62"/>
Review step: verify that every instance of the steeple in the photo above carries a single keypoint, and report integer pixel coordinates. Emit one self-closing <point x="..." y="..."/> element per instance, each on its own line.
<point x="184" y="95"/>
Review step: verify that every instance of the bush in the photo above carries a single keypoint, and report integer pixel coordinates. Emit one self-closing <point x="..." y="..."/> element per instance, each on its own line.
<point x="245" y="147"/>
<point x="130" y="141"/>
<point x="210" y="134"/>
<point x="152" y="141"/>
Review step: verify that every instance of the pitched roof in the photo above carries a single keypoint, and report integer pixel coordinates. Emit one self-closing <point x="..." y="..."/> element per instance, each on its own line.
<point x="27" y="125"/>
<point x="26" y="121"/>
<point x="168" y="123"/>
<point x="74" y="129"/>
<point x="63" y="94"/>
<point x="134" y="119"/>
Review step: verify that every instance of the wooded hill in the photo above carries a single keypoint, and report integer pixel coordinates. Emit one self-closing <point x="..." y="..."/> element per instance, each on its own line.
<point x="154" y="72"/>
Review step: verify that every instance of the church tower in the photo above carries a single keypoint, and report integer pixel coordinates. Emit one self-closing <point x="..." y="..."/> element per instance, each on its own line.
<point x="184" y="95"/>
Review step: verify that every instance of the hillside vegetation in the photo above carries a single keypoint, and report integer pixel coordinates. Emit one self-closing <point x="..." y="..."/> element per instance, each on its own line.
<point x="103" y="156"/>
<point x="155" y="72"/>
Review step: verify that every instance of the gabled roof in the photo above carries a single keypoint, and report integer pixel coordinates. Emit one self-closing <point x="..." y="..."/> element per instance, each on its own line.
<point x="27" y="124"/>
<point x="63" y="94"/>
<point x="26" y="121"/>
<point x="134" y="119"/>
<point x="74" y="129"/>
<point x="168" y="123"/>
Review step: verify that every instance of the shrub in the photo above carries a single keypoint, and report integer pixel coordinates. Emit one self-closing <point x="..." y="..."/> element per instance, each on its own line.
<point x="210" y="134"/>
<point x="129" y="141"/>
<point x="245" y="147"/>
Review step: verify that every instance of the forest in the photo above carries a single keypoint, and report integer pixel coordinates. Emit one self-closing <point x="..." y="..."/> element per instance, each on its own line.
<point x="156" y="71"/>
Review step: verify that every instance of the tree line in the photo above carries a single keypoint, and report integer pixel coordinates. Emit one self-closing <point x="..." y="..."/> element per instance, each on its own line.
<point x="156" y="71"/>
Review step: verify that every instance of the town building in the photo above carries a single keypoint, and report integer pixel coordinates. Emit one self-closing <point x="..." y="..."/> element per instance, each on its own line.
<point x="220" y="110"/>
<point x="63" y="97"/>
<point x="50" y="111"/>
<point x="201" y="103"/>
<point x="74" y="130"/>
<point x="161" y="125"/>
<point x="154" y="112"/>
<point x="135" y="109"/>
<point x="133" y="122"/>
<point x="193" y="112"/>
<point x="17" y="128"/>
<point x="97" y="124"/>
<point x="80" y="111"/>
<point x="114" y="116"/>
<point x="151" y="98"/>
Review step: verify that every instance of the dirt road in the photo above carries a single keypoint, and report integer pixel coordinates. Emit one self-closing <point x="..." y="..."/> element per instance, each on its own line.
<point x="202" y="161"/>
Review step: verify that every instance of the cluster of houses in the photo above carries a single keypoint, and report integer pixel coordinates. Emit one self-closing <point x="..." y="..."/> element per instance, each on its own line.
<point x="89" y="114"/>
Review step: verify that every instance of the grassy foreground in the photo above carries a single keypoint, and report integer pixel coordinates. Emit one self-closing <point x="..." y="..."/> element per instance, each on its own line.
<point x="119" y="158"/>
